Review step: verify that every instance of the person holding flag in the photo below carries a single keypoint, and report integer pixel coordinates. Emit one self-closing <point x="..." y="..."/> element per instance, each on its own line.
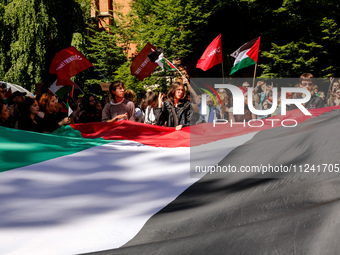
<point x="175" y="111"/>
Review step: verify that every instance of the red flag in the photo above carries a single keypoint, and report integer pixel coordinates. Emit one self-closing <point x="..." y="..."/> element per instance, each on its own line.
<point x="212" y="55"/>
<point x="68" y="62"/>
<point x="141" y="65"/>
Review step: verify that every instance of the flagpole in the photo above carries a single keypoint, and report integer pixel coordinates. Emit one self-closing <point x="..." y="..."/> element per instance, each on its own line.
<point x="175" y="68"/>
<point x="101" y="73"/>
<point x="222" y="72"/>
<point x="254" y="75"/>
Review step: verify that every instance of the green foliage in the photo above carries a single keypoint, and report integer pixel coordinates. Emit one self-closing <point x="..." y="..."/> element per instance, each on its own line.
<point x="290" y="60"/>
<point x="303" y="34"/>
<point x="156" y="82"/>
<point x="105" y="55"/>
<point x="173" y="25"/>
<point x="32" y="32"/>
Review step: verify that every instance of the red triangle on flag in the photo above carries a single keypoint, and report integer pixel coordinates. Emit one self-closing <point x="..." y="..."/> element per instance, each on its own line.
<point x="254" y="50"/>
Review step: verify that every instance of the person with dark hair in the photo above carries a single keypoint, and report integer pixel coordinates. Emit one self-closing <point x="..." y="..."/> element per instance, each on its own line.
<point x="48" y="104"/>
<point x="15" y="108"/>
<point x="89" y="113"/>
<point x="119" y="108"/>
<point x="131" y="96"/>
<point x="29" y="119"/>
<point x="175" y="111"/>
<point x="2" y="91"/>
<point x="306" y="81"/>
<point x="152" y="102"/>
<point x="4" y="115"/>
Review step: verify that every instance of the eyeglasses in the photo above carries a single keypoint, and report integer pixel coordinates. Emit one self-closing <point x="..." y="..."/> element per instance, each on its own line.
<point x="304" y="84"/>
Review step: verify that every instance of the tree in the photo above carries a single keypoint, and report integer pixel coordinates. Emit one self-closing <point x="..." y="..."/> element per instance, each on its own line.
<point x="32" y="32"/>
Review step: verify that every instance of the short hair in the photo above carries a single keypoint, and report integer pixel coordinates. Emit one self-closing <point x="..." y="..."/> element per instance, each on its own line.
<point x="172" y="89"/>
<point x="115" y="84"/>
<point x="306" y="76"/>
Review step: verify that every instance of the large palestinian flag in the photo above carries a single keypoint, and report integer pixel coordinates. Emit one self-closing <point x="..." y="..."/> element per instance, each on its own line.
<point x="126" y="188"/>
<point x="246" y="55"/>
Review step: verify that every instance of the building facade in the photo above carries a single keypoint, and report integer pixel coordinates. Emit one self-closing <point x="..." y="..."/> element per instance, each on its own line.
<point x="102" y="12"/>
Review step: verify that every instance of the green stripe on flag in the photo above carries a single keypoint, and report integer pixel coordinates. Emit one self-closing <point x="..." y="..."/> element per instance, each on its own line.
<point x="242" y="64"/>
<point x="20" y="148"/>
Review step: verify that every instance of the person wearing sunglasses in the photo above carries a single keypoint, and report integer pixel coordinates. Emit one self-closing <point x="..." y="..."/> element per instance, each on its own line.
<point x="306" y="81"/>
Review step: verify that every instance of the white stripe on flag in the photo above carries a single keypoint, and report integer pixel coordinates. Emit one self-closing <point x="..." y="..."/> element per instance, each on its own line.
<point x="241" y="56"/>
<point x="96" y="199"/>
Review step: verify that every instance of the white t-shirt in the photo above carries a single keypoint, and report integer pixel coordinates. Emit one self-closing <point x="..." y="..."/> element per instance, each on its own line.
<point x="149" y="115"/>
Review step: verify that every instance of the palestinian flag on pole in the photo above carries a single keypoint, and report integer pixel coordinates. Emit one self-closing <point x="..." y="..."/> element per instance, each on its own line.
<point x="157" y="56"/>
<point x="128" y="190"/>
<point x="246" y="55"/>
<point x="164" y="63"/>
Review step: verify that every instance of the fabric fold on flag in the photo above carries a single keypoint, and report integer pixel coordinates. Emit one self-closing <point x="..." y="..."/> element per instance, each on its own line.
<point x="68" y="62"/>
<point x="246" y="55"/>
<point x="142" y="66"/>
<point x="212" y="55"/>
<point x="157" y="56"/>
<point x="96" y="194"/>
<point x="255" y="213"/>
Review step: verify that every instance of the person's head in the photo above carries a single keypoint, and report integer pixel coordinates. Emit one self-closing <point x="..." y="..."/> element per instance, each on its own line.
<point x="117" y="90"/>
<point x="210" y="101"/>
<point x="316" y="88"/>
<point x="18" y="97"/>
<point x="88" y="102"/>
<point x="2" y="91"/>
<point x="176" y="91"/>
<point x="98" y="106"/>
<point x="4" y="112"/>
<point x="322" y="95"/>
<point x="336" y="85"/>
<point x="262" y="84"/>
<point x="337" y="93"/>
<point x="265" y="105"/>
<point x="245" y="84"/>
<point x="151" y="99"/>
<point x="306" y="81"/>
<point x="48" y="103"/>
<point x="30" y="107"/>
<point x="289" y="95"/>
<point x="130" y="95"/>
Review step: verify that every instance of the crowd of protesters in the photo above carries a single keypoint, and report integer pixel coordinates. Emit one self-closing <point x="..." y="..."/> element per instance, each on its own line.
<point x="174" y="109"/>
<point x="45" y="113"/>
<point x="262" y="99"/>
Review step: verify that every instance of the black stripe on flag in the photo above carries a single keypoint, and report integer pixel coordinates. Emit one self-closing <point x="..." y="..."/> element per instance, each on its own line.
<point x="297" y="214"/>
<point x="244" y="47"/>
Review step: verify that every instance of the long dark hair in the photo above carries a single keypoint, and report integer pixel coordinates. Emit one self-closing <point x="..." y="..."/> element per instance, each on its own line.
<point x="26" y="105"/>
<point x="172" y="90"/>
<point x="86" y="103"/>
